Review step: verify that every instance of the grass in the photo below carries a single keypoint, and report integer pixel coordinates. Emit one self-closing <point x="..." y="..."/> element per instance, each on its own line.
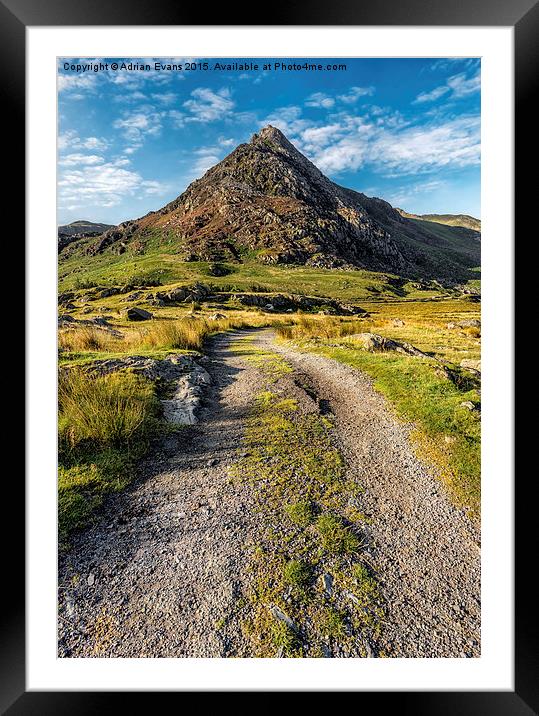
<point x="420" y="391"/>
<point x="161" y="264"/>
<point x="297" y="573"/>
<point x="335" y="536"/>
<point x="302" y="493"/>
<point x="105" y="424"/>
<point x="300" y="513"/>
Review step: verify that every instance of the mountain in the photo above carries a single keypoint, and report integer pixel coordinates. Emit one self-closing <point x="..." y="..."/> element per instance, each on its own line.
<point x="268" y="201"/>
<point x="463" y="220"/>
<point x="83" y="227"/>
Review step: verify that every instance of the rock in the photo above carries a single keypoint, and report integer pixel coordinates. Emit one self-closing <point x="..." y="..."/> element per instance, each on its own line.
<point x="470" y="323"/>
<point x="471" y="364"/>
<point x="91" y="579"/>
<point x="451" y="325"/>
<point x="138" y="314"/>
<point x="217" y="317"/>
<point x="180" y="409"/>
<point x="327" y="584"/>
<point x="468" y="405"/>
<point x="134" y="296"/>
<point x="376" y="344"/>
<point x="397" y="322"/>
<point x="269" y="307"/>
<point x="282" y="617"/>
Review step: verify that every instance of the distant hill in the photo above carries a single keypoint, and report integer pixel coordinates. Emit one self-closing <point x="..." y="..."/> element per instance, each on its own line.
<point x="267" y="202"/>
<point x="463" y="220"/>
<point x="83" y="227"/>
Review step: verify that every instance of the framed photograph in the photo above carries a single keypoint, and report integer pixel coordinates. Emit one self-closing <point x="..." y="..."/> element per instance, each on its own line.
<point x="270" y="402"/>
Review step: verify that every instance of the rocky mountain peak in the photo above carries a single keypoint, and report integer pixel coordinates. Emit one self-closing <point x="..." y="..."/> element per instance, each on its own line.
<point x="269" y="201"/>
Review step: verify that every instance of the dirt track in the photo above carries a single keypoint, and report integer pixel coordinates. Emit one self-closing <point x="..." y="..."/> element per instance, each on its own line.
<point x="162" y="571"/>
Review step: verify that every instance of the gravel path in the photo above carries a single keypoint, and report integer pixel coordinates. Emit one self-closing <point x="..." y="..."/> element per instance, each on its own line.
<point x="427" y="551"/>
<point x="162" y="571"/>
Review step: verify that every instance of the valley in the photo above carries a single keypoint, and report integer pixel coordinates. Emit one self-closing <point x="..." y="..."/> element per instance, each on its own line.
<point x="269" y="424"/>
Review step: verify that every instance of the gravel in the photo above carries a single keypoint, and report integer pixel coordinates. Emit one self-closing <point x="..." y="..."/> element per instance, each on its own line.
<point x="163" y="570"/>
<point x="426" y="550"/>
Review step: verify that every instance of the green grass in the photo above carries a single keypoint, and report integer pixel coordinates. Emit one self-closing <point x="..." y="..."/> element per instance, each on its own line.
<point x="297" y="573"/>
<point x="296" y="473"/>
<point x="301" y="513"/>
<point x="335" y="536"/>
<point x="105" y="424"/>
<point x="447" y="434"/>
<point x="161" y="264"/>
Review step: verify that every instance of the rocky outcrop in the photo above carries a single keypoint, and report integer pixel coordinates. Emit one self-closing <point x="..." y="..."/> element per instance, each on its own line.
<point x="138" y="314"/>
<point x="186" y="376"/>
<point x="378" y="344"/>
<point x="292" y="302"/>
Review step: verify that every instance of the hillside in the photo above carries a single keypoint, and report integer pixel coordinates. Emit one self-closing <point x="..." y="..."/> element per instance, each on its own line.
<point x="463" y="220"/>
<point x="267" y="202"/>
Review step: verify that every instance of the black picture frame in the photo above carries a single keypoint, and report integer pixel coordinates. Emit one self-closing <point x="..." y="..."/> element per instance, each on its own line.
<point x="523" y="15"/>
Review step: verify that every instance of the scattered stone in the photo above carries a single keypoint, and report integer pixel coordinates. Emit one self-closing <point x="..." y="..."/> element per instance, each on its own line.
<point x="470" y="364"/>
<point x="134" y="296"/>
<point x="398" y="323"/>
<point x="470" y="323"/>
<point x="138" y="314"/>
<point x="216" y="317"/>
<point x="327" y="584"/>
<point x="468" y="405"/>
<point x="91" y="579"/>
<point x="378" y="344"/>
<point x="282" y="617"/>
<point x="451" y="325"/>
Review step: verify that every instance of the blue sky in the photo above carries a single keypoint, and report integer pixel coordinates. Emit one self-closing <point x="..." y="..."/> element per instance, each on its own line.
<point x="406" y="130"/>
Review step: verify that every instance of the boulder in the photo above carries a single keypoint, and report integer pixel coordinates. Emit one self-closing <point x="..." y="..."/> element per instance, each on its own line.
<point x="397" y="322"/>
<point x="138" y="314"/>
<point x="470" y="364"/>
<point x="216" y="317"/>
<point x="378" y="344"/>
<point x="470" y="323"/>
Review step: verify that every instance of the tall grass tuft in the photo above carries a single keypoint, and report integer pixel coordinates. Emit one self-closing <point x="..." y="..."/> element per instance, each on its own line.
<point x="86" y="338"/>
<point x="105" y="410"/>
<point x="325" y="327"/>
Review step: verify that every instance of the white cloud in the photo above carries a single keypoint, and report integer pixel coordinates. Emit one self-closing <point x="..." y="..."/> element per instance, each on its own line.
<point x="408" y="193"/>
<point x="71" y="140"/>
<point x="392" y="147"/>
<point x="165" y="97"/>
<point x="431" y="96"/>
<point x="72" y="160"/>
<point x="354" y="93"/>
<point x="319" y="99"/>
<point x="288" y="120"/>
<point x="457" y="86"/>
<point x="67" y="83"/>
<point x="462" y="86"/>
<point x="207" y="105"/>
<point x="138" y="125"/>
<point x="105" y="185"/>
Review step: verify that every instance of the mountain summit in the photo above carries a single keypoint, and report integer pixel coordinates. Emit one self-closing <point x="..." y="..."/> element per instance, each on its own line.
<point x="268" y="201"/>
